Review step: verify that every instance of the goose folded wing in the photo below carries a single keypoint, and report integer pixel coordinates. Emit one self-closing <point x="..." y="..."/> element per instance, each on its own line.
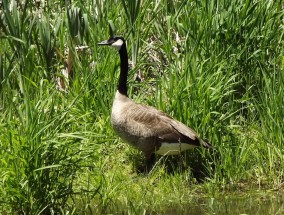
<point x="151" y="122"/>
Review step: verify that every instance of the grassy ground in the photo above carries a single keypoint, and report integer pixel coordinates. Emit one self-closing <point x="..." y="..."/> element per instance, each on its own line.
<point x="215" y="65"/>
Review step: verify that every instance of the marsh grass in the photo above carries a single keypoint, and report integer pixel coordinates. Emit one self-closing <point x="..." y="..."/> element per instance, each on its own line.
<point x="215" y="65"/>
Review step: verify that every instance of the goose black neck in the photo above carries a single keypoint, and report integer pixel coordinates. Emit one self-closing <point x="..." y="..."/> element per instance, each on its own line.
<point x="122" y="83"/>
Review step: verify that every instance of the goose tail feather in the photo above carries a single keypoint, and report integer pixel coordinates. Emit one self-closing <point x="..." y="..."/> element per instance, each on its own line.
<point x="205" y="144"/>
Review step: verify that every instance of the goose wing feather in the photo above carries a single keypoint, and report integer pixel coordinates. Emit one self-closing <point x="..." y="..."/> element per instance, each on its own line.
<point x="153" y="122"/>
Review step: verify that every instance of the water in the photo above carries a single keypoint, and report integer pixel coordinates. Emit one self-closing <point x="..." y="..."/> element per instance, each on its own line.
<point x="260" y="204"/>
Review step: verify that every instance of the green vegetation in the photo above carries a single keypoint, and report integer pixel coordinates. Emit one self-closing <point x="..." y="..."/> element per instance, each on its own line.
<point x="215" y="65"/>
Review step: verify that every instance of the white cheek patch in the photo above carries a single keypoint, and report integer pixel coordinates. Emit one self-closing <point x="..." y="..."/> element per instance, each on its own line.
<point x="117" y="44"/>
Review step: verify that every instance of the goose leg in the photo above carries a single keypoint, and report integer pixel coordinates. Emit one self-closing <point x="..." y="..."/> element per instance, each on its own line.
<point x="150" y="162"/>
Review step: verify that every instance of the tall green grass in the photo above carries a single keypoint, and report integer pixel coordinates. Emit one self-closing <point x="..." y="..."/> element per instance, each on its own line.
<point x="215" y="65"/>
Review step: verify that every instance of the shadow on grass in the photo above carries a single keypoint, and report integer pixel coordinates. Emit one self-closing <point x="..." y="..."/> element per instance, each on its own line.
<point x="200" y="166"/>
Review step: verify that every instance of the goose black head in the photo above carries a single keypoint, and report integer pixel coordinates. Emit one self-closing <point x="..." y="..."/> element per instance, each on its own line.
<point x="115" y="41"/>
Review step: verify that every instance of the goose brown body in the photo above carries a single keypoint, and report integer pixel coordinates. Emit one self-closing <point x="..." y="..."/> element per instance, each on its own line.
<point x="149" y="129"/>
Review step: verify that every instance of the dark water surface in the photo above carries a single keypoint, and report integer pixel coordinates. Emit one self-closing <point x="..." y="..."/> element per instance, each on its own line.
<point x="260" y="204"/>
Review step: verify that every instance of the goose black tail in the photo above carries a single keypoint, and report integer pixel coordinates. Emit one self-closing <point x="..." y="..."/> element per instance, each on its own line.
<point x="205" y="144"/>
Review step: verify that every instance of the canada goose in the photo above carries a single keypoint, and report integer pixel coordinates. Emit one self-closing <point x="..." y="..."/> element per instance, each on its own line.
<point x="144" y="127"/>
